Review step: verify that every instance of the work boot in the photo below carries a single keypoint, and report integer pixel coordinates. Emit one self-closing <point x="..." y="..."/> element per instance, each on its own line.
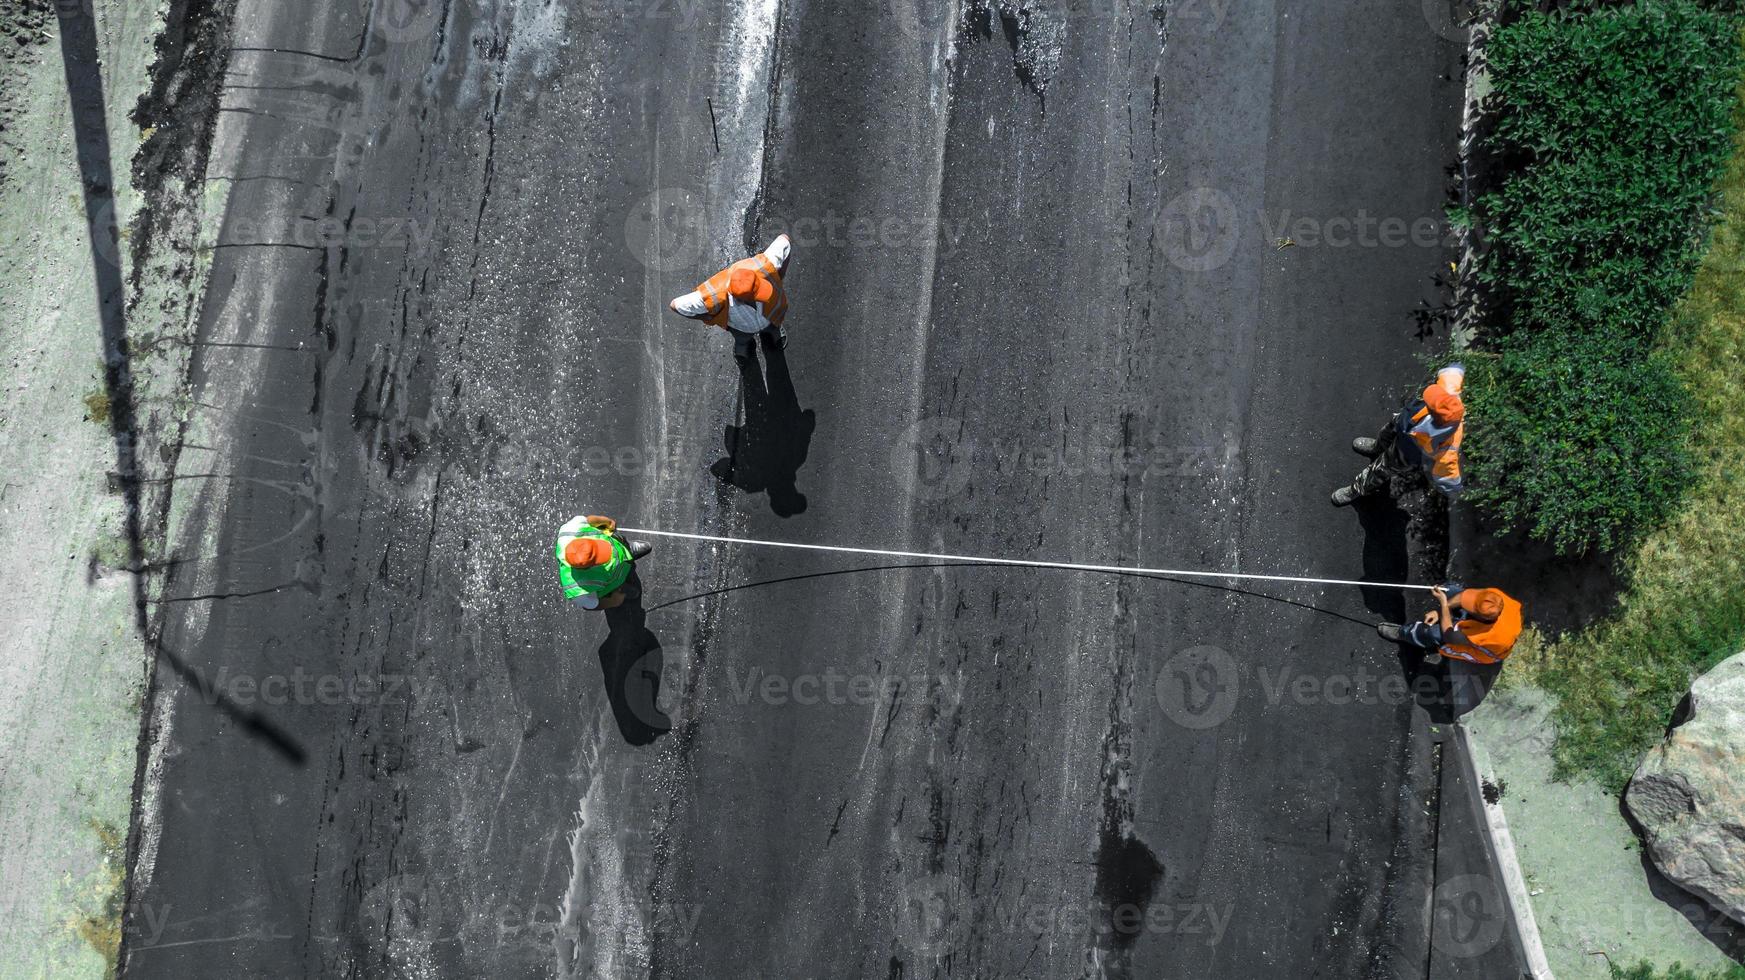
<point x="1345" y="496"/>
<point x="638" y="549"/>
<point x="1390" y="632"/>
<point x="1366" y="446"/>
<point x="775" y="338"/>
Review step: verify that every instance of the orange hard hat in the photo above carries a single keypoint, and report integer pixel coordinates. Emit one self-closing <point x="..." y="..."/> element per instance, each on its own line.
<point x="587" y="552"/>
<point x="1445" y="405"/>
<point x="747" y="286"/>
<point x="1486" y="604"/>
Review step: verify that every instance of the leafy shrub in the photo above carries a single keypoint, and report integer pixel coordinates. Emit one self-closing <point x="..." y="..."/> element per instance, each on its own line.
<point x="1611" y="124"/>
<point x="1576" y="439"/>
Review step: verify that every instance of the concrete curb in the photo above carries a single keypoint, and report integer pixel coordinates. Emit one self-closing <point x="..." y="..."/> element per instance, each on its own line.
<point x="1500" y="845"/>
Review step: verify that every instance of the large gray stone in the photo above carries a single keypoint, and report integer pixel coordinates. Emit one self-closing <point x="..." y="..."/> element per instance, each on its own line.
<point x="1688" y="795"/>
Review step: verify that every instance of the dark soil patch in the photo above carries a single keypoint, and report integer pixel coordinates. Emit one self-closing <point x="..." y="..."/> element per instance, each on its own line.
<point x="1566" y="593"/>
<point x="23" y="29"/>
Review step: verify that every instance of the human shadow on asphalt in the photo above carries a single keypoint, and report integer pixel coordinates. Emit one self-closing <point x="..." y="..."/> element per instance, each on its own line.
<point x="1385" y="556"/>
<point x="631" y="661"/>
<point x="1460" y="687"/>
<point x="765" y="452"/>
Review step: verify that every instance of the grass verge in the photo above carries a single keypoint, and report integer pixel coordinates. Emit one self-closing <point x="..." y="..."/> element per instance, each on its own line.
<point x="1644" y="971"/>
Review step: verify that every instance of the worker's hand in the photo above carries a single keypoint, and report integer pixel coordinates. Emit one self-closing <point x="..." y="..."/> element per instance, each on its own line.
<point x="1432" y="617"/>
<point x="1440" y="593"/>
<point x="606" y="524"/>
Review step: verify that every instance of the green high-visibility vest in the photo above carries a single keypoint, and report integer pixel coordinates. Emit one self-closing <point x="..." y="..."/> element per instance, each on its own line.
<point x="601" y="580"/>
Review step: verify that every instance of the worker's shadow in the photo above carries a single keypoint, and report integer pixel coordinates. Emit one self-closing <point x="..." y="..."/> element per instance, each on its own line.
<point x="766" y="451"/>
<point x="1445" y="689"/>
<point x="1386" y="557"/>
<point x="630" y="664"/>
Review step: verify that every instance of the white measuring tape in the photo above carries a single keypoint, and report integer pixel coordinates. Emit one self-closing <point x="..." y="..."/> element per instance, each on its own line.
<point x="970" y="559"/>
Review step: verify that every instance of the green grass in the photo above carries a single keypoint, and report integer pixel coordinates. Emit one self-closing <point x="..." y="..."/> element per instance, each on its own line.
<point x="1643" y="971"/>
<point x="1684" y="611"/>
<point x="100" y="927"/>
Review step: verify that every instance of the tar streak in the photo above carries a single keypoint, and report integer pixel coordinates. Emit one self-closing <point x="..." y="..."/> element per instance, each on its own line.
<point x="1127" y="874"/>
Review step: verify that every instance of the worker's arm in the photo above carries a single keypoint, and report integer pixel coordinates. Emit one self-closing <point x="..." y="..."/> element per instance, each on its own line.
<point x="778" y="252"/>
<point x="602" y="523"/>
<point x="691" y="304"/>
<point x="1441" y="594"/>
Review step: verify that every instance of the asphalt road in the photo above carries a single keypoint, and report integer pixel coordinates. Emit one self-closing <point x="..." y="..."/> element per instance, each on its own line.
<point x="1093" y="283"/>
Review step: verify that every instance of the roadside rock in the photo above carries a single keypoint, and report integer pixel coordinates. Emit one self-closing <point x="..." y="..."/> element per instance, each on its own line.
<point x="1688" y="795"/>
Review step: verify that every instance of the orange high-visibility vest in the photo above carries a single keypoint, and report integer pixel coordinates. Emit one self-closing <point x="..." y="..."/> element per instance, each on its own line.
<point x="1487" y="643"/>
<point x="714" y="292"/>
<point x="1438" y="445"/>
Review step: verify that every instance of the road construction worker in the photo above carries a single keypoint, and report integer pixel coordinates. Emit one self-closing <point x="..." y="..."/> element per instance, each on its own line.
<point x="1425" y="436"/>
<point x="1479" y="626"/>
<point x="746" y="299"/>
<point x="593" y="562"/>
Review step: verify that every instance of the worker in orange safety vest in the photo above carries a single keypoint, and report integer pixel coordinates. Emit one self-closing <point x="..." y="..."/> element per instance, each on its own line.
<point x="746" y="299"/>
<point x="1425" y="436"/>
<point x="1479" y="626"/>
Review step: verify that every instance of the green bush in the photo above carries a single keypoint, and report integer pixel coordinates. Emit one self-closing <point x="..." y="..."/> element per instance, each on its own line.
<point x="1611" y="125"/>
<point x="1577" y="439"/>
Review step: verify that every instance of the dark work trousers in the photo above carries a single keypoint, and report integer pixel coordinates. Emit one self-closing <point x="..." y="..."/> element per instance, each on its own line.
<point x="1388" y="463"/>
<point x="1423" y="635"/>
<point x="745" y="343"/>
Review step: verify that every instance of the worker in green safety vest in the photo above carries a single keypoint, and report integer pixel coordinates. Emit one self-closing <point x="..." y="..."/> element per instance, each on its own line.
<point x="593" y="562"/>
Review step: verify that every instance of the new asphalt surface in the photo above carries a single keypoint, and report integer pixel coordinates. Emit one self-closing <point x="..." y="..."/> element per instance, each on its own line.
<point x="1103" y="281"/>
